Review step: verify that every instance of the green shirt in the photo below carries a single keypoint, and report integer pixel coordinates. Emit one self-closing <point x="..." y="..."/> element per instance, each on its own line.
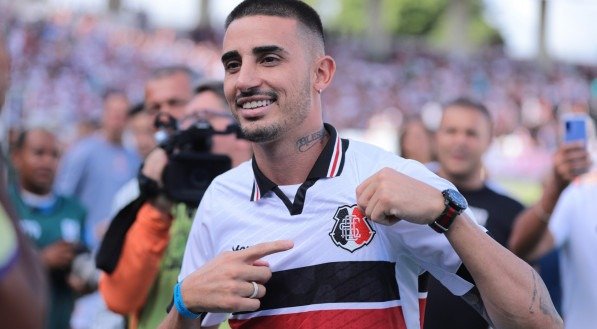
<point x="63" y="220"/>
<point x="160" y="294"/>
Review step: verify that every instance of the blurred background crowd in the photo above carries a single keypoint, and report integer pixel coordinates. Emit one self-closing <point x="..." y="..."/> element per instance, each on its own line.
<point x="64" y="58"/>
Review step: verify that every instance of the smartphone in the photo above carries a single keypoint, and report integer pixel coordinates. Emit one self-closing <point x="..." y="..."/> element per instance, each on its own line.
<point x="575" y="128"/>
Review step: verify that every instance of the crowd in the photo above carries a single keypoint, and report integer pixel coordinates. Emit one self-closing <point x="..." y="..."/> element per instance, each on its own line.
<point x="64" y="61"/>
<point x="102" y="192"/>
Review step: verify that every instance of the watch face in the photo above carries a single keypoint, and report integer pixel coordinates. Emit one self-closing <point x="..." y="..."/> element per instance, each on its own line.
<point x="456" y="199"/>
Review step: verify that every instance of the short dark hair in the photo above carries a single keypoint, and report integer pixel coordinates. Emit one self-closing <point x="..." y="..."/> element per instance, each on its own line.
<point x="471" y="104"/>
<point x="109" y="92"/>
<point x="215" y="86"/>
<point x="21" y="139"/>
<point x="166" y="71"/>
<point x="280" y="8"/>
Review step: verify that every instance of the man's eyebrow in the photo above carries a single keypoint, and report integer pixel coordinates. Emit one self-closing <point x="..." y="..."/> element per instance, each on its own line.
<point x="267" y="49"/>
<point x="230" y="55"/>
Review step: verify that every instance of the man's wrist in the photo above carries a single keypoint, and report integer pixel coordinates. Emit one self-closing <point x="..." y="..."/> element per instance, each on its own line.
<point x="162" y="203"/>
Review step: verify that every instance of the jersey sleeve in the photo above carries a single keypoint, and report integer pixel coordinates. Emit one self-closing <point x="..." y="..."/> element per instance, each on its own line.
<point x="199" y="250"/>
<point x="559" y="223"/>
<point x="429" y="249"/>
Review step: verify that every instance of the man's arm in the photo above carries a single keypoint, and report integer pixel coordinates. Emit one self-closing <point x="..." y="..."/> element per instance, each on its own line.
<point x="23" y="285"/>
<point x="125" y="290"/>
<point x="530" y="238"/>
<point x="512" y="292"/>
<point x="224" y="284"/>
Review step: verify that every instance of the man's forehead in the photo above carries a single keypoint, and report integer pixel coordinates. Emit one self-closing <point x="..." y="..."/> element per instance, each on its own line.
<point x="259" y="30"/>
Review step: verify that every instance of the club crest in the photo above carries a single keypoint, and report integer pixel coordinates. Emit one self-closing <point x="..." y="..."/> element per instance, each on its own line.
<point x="351" y="230"/>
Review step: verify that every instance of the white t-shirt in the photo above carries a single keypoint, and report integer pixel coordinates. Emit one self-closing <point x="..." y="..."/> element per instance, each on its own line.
<point x="573" y="225"/>
<point x="344" y="270"/>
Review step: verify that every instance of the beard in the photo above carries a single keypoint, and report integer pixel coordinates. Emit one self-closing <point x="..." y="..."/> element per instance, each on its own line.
<point x="294" y="113"/>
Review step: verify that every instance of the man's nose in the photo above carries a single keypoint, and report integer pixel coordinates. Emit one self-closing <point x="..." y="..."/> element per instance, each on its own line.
<point x="248" y="77"/>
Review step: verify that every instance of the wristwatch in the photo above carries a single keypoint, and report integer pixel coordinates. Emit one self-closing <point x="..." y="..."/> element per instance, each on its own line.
<point x="455" y="204"/>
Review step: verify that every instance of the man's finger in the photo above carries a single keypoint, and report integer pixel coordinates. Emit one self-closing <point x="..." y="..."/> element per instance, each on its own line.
<point x="260" y="250"/>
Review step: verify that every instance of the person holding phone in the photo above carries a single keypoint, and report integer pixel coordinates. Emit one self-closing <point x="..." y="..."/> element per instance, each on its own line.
<point x="564" y="218"/>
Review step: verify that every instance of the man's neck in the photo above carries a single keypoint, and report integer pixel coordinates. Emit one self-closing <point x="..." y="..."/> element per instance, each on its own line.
<point x="471" y="182"/>
<point x="38" y="200"/>
<point x="112" y="138"/>
<point x="289" y="162"/>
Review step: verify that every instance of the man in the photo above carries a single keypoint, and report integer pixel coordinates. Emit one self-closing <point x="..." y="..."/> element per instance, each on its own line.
<point x="96" y="167"/>
<point x="572" y="228"/>
<point x="141" y="129"/>
<point x="307" y="185"/>
<point x="53" y="222"/>
<point x="463" y="136"/>
<point x="23" y="286"/>
<point x="141" y="283"/>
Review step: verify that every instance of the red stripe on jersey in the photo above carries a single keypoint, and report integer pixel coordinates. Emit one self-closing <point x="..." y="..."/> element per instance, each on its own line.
<point x="335" y="157"/>
<point x="388" y="318"/>
<point x="422" y="306"/>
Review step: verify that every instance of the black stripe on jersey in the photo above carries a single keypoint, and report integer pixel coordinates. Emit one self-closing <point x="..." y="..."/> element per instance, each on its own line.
<point x="344" y="148"/>
<point x="424" y="282"/>
<point x="464" y="274"/>
<point x="339" y="282"/>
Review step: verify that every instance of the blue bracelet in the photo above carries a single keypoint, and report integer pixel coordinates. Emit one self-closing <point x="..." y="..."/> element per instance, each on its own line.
<point x="180" y="307"/>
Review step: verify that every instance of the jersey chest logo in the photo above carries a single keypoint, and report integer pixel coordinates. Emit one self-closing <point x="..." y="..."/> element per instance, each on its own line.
<point x="351" y="230"/>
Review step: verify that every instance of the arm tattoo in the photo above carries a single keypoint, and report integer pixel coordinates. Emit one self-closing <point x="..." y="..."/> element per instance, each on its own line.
<point x="473" y="298"/>
<point x="545" y="304"/>
<point x="305" y="143"/>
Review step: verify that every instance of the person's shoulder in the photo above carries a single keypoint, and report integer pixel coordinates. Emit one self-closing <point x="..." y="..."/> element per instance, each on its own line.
<point x="243" y="172"/>
<point x="587" y="180"/>
<point x="498" y="191"/>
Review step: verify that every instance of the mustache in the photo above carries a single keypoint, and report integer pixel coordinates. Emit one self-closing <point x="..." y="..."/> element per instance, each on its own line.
<point x="257" y="92"/>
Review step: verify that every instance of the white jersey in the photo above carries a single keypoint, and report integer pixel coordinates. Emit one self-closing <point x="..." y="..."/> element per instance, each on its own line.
<point x="344" y="271"/>
<point x="573" y="225"/>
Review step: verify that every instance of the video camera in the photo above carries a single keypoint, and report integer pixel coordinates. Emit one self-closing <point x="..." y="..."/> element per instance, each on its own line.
<point x="191" y="167"/>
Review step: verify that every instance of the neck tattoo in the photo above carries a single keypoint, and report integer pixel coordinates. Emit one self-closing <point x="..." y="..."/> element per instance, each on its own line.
<point x="305" y="143"/>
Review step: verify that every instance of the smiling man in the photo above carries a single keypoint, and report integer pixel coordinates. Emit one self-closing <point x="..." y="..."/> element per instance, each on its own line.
<point x="338" y="231"/>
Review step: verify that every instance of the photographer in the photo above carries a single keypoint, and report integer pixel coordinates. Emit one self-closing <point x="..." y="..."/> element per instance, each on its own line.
<point x="141" y="283"/>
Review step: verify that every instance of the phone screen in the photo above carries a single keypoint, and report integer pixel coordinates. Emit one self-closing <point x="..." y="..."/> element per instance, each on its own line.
<point x="575" y="129"/>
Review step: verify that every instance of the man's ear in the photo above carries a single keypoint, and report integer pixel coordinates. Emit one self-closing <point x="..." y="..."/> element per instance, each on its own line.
<point x="324" y="72"/>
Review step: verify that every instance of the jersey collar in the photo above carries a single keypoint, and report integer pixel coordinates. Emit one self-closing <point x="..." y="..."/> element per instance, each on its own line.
<point x="329" y="164"/>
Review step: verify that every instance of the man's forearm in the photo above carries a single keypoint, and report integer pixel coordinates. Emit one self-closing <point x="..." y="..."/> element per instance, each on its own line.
<point x="513" y="293"/>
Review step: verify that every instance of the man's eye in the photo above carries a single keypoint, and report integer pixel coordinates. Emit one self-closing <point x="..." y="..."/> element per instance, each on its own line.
<point x="231" y="66"/>
<point x="270" y="59"/>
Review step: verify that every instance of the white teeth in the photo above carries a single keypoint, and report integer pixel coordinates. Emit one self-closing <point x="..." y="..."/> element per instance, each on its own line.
<point x="256" y="104"/>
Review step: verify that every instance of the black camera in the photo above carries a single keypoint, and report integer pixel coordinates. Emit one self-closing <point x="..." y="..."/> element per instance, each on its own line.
<point x="191" y="167"/>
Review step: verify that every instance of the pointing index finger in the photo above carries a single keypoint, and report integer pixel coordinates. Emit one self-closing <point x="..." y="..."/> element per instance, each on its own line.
<point x="261" y="250"/>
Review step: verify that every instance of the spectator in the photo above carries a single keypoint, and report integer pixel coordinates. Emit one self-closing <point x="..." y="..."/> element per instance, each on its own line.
<point x="416" y="142"/>
<point x="23" y="285"/>
<point x="95" y="168"/>
<point x="140" y="126"/>
<point x="53" y="222"/>
<point x="571" y="228"/>
<point x="462" y="138"/>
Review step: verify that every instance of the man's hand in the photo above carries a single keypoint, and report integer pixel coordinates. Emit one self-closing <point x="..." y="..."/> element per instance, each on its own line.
<point x="570" y="161"/>
<point x="388" y="196"/>
<point x="225" y="283"/>
<point x="58" y="255"/>
<point x="154" y="165"/>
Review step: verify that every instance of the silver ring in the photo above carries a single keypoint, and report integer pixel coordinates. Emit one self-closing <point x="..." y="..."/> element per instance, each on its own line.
<point x="255" y="290"/>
